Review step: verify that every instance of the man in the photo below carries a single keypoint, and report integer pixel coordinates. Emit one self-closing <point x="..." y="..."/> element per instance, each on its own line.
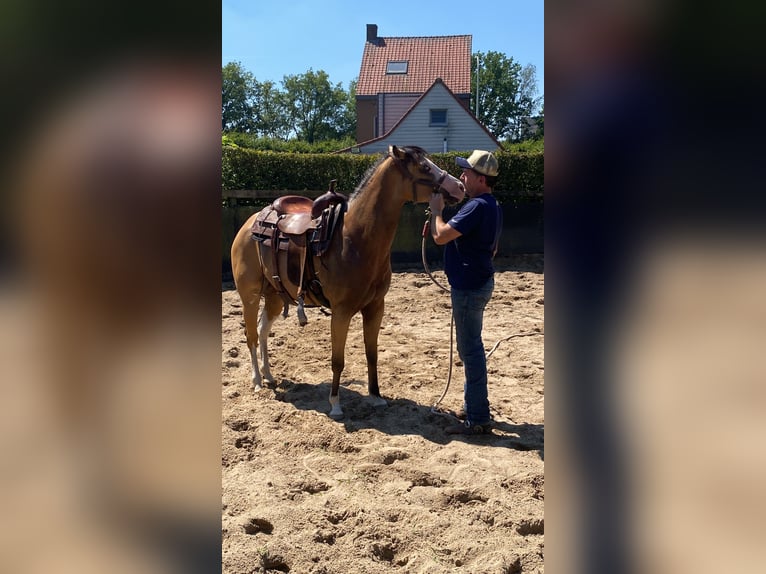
<point x="471" y="239"/>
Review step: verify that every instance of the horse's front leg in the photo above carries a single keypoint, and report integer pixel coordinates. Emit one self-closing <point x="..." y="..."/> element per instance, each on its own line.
<point x="339" y="323"/>
<point x="372" y="317"/>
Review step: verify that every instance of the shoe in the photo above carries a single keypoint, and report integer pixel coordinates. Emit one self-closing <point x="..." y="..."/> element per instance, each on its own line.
<point x="468" y="428"/>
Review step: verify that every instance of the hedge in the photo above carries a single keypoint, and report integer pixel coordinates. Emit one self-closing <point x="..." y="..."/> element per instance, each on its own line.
<point x="521" y="174"/>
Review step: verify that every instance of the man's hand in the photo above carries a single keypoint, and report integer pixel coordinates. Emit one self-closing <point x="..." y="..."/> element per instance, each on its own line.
<point x="436" y="203"/>
<point x="440" y="230"/>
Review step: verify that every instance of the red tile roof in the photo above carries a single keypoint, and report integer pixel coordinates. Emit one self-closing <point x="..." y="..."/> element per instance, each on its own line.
<point x="429" y="57"/>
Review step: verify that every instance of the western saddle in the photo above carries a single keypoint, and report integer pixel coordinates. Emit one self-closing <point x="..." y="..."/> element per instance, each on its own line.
<point x="289" y="233"/>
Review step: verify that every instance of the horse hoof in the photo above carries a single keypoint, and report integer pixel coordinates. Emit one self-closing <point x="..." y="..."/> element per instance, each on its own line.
<point x="378" y="402"/>
<point x="336" y="414"/>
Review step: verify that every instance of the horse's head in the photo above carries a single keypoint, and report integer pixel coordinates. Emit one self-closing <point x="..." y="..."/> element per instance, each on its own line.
<point x="426" y="176"/>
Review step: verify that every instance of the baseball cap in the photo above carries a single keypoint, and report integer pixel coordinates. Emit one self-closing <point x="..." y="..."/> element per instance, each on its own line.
<point x="481" y="161"/>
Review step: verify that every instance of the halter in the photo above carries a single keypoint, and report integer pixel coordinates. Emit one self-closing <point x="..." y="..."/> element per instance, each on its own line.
<point x="436" y="185"/>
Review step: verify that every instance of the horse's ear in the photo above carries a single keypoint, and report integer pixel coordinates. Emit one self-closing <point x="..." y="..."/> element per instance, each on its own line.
<point x="396" y="151"/>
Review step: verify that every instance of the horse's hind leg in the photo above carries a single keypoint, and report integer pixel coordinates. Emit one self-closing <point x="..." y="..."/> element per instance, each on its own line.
<point x="271" y="308"/>
<point x="250" y="311"/>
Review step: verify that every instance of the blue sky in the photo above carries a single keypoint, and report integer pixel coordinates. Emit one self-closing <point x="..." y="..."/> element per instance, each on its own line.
<point x="273" y="39"/>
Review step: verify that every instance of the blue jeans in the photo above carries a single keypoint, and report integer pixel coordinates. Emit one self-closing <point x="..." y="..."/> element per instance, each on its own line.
<point x="468" y="310"/>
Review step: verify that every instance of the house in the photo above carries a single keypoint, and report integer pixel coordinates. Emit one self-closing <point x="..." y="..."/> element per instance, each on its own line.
<point x="416" y="91"/>
<point x="438" y="122"/>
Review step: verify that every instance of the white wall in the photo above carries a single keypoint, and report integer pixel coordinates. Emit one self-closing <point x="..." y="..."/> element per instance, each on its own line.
<point x="463" y="133"/>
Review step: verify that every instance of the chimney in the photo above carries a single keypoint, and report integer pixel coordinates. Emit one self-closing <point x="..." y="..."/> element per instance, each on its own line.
<point x="372" y="33"/>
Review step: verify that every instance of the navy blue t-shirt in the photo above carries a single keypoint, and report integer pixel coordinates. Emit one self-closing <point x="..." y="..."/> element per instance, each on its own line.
<point x="468" y="259"/>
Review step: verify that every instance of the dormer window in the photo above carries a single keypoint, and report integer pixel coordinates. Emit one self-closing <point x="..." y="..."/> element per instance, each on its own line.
<point x="396" y="67"/>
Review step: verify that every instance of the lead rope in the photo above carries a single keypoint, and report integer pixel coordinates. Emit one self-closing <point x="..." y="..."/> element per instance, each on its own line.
<point x="435" y="407"/>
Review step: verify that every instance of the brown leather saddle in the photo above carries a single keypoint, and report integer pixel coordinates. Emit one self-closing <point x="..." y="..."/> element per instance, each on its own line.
<point x="290" y="232"/>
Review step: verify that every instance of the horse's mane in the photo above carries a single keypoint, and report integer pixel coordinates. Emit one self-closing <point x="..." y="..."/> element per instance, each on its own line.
<point x="366" y="178"/>
<point x="370" y="171"/>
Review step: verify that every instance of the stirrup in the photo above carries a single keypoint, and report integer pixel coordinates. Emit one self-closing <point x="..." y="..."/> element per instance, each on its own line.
<point x="302" y="319"/>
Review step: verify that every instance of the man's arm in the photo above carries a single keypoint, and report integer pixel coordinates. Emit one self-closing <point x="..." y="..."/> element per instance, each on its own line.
<point x="441" y="231"/>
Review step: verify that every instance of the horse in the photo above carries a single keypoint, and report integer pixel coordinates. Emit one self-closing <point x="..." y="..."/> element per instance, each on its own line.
<point x="355" y="269"/>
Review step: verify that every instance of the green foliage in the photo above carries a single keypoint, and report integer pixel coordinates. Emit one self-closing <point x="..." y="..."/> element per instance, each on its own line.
<point x="347" y="120"/>
<point x="507" y="94"/>
<point x="237" y="98"/>
<point x="226" y="141"/>
<point x="252" y="141"/>
<point x="269" y="112"/>
<point x="314" y="105"/>
<point x="252" y="169"/>
<point x="541" y="122"/>
<point x="307" y="106"/>
<point x="526" y="146"/>
<point x="521" y="174"/>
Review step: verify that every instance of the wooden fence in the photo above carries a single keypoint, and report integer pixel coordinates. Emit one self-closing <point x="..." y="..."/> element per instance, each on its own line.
<point x="522" y="226"/>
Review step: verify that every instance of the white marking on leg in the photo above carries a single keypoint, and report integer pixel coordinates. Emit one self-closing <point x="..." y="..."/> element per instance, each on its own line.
<point x="256" y="378"/>
<point x="335" y="412"/>
<point x="264" y="328"/>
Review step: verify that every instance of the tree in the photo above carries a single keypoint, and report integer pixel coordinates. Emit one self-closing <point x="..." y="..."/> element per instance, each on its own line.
<point x="314" y="106"/>
<point x="347" y="120"/>
<point x="308" y="108"/>
<point x="507" y="94"/>
<point x="237" y="98"/>
<point x="541" y="122"/>
<point x="270" y="115"/>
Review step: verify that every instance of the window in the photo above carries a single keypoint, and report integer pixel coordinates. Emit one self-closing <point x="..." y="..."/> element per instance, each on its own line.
<point x="396" y="67"/>
<point x="438" y="118"/>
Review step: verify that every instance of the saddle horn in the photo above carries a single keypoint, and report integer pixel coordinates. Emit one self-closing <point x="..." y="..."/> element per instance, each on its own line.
<point x="328" y="199"/>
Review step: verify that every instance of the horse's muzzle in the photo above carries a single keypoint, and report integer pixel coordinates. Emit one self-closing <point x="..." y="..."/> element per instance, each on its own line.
<point x="452" y="189"/>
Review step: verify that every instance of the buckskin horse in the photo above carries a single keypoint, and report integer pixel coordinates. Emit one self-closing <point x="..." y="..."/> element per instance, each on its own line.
<point x="353" y="272"/>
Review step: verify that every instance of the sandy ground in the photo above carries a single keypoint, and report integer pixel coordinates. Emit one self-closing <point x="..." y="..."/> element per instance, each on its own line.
<point x="387" y="489"/>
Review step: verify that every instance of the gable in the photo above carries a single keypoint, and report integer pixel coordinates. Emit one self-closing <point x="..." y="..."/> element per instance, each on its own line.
<point x="436" y="121"/>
